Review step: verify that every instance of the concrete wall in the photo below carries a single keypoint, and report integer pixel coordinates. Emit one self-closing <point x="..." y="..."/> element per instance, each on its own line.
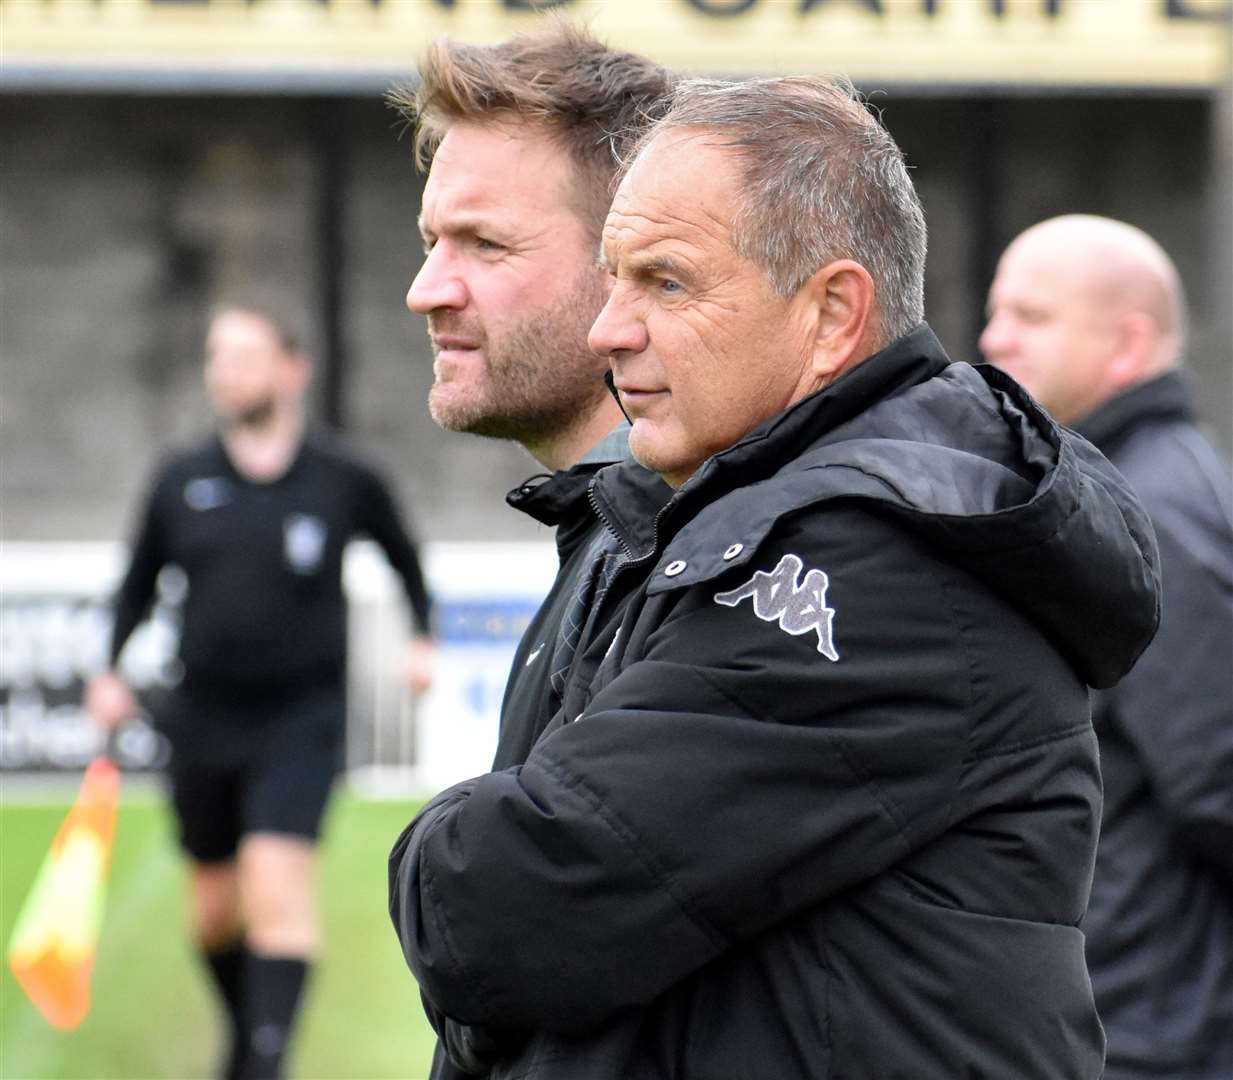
<point x="122" y="219"/>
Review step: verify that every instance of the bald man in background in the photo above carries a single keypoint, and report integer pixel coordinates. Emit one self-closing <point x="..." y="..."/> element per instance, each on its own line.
<point x="1089" y="315"/>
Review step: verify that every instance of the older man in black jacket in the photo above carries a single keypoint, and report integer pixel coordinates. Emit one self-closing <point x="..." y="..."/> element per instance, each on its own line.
<point x="1088" y="313"/>
<point x="822" y="798"/>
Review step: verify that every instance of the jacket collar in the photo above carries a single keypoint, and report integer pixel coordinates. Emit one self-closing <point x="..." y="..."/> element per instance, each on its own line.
<point x="1164" y="398"/>
<point x="560" y="498"/>
<point x="966" y="462"/>
<point x="644" y="513"/>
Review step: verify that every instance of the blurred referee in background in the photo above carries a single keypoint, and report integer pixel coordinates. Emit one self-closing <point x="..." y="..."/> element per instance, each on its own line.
<point x="257" y="517"/>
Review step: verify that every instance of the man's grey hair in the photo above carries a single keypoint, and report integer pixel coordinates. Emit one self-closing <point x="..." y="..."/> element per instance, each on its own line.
<point x="822" y="180"/>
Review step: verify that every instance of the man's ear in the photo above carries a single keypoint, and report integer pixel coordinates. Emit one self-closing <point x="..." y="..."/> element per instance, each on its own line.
<point x="297" y="373"/>
<point x="841" y="299"/>
<point x="1136" y="335"/>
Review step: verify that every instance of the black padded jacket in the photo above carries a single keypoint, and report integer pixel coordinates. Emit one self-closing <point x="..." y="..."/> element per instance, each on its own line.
<point x="822" y="798"/>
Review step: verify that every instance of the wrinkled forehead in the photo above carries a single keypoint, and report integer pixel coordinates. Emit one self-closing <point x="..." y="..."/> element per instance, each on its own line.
<point x="511" y="170"/>
<point x="683" y="183"/>
<point x="519" y="144"/>
<point x="675" y="159"/>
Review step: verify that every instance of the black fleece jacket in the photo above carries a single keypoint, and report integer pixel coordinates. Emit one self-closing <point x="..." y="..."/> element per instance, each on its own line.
<point x="822" y="798"/>
<point x="545" y="654"/>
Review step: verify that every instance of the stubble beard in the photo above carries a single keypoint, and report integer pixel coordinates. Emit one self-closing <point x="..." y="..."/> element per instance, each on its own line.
<point x="252" y="417"/>
<point x="540" y="379"/>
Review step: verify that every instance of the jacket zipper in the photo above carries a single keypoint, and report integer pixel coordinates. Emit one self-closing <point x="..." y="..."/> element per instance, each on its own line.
<point x="629" y="552"/>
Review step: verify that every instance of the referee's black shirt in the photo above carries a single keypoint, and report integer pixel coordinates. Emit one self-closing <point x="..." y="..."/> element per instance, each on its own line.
<point x="265" y="606"/>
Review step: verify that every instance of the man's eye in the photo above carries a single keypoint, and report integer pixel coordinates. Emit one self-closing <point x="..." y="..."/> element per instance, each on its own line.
<point x="484" y="244"/>
<point x="669" y="286"/>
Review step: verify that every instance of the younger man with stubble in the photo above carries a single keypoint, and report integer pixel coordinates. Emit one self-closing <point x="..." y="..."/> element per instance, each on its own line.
<point x="524" y="139"/>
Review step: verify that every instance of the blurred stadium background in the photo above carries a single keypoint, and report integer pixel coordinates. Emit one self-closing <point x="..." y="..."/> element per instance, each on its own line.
<point x="160" y="156"/>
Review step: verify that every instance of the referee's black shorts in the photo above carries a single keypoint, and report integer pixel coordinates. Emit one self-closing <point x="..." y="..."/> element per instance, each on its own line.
<point x="243" y="764"/>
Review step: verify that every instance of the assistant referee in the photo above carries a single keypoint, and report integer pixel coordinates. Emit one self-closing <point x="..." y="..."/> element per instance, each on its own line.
<point x="257" y="517"/>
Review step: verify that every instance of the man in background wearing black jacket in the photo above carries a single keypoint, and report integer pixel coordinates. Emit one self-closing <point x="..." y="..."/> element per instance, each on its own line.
<point x="822" y="796"/>
<point x="257" y="518"/>
<point x="1088" y="314"/>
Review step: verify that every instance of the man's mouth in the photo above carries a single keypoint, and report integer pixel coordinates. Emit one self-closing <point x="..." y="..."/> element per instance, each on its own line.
<point x="634" y="396"/>
<point x="447" y="343"/>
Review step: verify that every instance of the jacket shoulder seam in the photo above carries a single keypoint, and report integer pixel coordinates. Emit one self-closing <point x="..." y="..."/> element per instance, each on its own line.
<point x="1031" y="744"/>
<point x="963" y="629"/>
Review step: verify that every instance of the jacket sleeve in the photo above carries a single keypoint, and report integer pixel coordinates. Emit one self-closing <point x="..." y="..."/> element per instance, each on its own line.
<point x="385" y="525"/>
<point x="147" y="557"/>
<point x="1176" y="706"/>
<point x="730" y="776"/>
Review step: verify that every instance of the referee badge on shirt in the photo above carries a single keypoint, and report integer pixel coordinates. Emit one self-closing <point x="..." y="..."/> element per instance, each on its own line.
<point x="303" y="542"/>
<point x="207" y="493"/>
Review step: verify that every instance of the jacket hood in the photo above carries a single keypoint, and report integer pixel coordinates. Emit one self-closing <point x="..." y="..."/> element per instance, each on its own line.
<point x="963" y="457"/>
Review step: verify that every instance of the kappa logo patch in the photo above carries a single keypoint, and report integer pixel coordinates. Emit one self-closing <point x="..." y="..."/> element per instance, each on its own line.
<point x="798" y="608"/>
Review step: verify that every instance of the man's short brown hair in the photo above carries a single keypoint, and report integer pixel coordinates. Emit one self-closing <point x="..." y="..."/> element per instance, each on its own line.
<point x="592" y="100"/>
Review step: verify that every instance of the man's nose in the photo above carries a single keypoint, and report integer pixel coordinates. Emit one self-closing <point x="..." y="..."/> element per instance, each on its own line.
<point x="617" y="329"/>
<point x="995" y="339"/>
<point x="437" y="285"/>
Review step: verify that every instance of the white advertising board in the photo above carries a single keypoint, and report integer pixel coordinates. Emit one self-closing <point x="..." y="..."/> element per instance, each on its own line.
<point x="55" y="626"/>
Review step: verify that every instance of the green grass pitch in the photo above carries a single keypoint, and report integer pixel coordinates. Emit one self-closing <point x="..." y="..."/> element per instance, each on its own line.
<point x="153" y="1016"/>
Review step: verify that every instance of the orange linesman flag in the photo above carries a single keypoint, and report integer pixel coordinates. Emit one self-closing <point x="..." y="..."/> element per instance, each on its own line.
<point x="55" y="938"/>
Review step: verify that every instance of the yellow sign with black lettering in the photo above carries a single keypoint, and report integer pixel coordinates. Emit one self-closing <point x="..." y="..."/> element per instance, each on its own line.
<point x="1177" y="44"/>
